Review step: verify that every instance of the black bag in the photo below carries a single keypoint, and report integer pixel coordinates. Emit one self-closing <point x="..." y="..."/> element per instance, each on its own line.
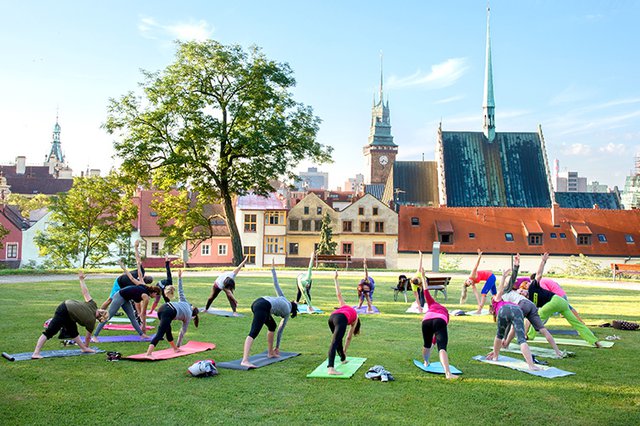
<point x="625" y="325"/>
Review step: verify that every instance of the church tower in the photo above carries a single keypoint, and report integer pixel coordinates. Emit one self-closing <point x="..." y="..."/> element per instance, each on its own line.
<point x="381" y="152"/>
<point x="488" y="104"/>
<point x="55" y="159"/>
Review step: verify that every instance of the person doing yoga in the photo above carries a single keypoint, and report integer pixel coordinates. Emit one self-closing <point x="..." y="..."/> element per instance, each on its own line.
<point x="304" y="284"/>
<point x="366" y="288"/>
<point x="181" y="310"/>
<point x="166" y="285"/>
<point x="68" y="315"/>
<point x="508" y="314"/>
<point x="123" y="280"/>
<point x="339" y="319"/>
<point x="476" y="277"/>
<point x="434" y="330"/>
<point x="417" y="286"/>
<point x="263" y="310"/>
<point x="227" y="283"/>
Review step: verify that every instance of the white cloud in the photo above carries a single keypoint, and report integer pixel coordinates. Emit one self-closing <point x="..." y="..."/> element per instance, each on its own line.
<point x="441" y="75"/>
<point x="612" y="148"/>
<point x="449" y="99"/>
<point x="577" y="149"/>
<point x="192" y="30"/>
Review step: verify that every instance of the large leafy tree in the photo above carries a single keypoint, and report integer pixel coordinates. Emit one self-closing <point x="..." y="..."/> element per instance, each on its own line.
<point x="28" y="204"/>
<point x="96" y="213"/>
<point x="218" y="119"/>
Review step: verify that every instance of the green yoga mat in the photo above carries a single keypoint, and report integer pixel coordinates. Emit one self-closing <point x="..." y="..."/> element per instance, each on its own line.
<point x="347" y="369"/>
<point x="541" y="352"/>
<point x="574" y="342"/>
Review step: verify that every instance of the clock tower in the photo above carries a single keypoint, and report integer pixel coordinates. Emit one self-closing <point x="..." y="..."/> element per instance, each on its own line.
<point x="380" y="152"/>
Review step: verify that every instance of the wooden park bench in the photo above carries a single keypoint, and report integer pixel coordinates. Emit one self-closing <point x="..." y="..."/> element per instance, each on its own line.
<point x="624" y="269"/>
<point x="437" y="284"/>
<point x="339" y="259"/>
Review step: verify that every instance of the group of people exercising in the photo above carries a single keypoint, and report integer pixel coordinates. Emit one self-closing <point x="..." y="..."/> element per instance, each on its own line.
<point x="513" y="302"/>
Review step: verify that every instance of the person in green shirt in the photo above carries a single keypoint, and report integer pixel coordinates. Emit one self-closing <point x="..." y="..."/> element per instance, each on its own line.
<point x="304" y="284"/>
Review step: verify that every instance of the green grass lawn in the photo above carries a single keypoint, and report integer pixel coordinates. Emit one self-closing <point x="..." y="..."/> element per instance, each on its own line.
<point x="81" y="390"/>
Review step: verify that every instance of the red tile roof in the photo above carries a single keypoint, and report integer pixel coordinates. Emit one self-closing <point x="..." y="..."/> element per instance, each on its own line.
<point x="485" y="228"/>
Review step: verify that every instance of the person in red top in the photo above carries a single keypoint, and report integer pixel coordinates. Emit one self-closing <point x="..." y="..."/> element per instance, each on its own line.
<point x="342" y="317"/>
<point x="474" y="278"/>
<point x="434" y="329"/>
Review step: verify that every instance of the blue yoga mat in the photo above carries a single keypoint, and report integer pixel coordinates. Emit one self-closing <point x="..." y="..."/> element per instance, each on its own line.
<point x="520" y="365"/>
<point x="25" y="356"/>
<point x="435" y="367"/>
<point x="304" y="309"/>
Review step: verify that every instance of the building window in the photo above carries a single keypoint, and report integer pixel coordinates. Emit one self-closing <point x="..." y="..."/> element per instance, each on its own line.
<point x="553" y="235"/>
<point x="250" y="254"/>
<point x="472" y="235"/>
<point x="12" y="250"/>
<point x="306" y="225"/>
<point x="415" y="221"/>
<point x="318" y="210"/>
<point x="205" y="249"/>
<point x="563" y="235"/>
<point x="275" y="245"/>
<point x="318" y="225"/>
<point x="274" y="218"/>
<point x="364" y="226"/>
<point x="293" y="248"/>
<point x="602" y="238"/>
<point x="446" y="238"/>
<point x="347" y="248"/>
<point x="155" y="249"/>
<point x="249" y="223"/>
<point x="294" y="224"/>
<point x="347" y="226"/>
<point x="535" y="239"/>
<point x="361" y="211"/>
<point x="222" y="249"/>
<point x="379" y="226"/>
<point x="584" y="240"/>
<point x="379" y="249"/>
<point x="628" y="238"/>
<point x="508" y="236"/>
<point x="375" y="211"/>
<point x="306" y="209"/>
<point x="153" y="214"/>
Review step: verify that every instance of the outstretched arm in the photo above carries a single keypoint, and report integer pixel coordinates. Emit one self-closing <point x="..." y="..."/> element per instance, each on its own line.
<point x="545" y="256"/>
<point x="138" y="261"/>
<point x="419" y="263"/>
<point x="338" y="292"/>
<point x="131" y="277"/>
<point x="237" y="270"/>
<point x="313" y="255"/>
<point x="83" y="287"/>
<point x="514" y="273"/>
<point x="276" y="285"/>
<point x="427" y="295"/>
<point x="500" y="289"/>
<point x="366" y="272"/>
<point x="474" y="272"/>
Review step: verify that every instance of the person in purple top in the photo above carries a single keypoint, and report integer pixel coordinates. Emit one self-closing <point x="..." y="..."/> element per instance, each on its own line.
<point x="366" y="287"/>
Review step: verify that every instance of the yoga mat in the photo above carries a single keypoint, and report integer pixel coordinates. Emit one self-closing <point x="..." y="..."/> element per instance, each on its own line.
<point x="435" y="367"/>
<point x="573" y="342"/>
<point x="541" y="352"/>
<point x="304" y="309"/>
<point x="189" y="348"/>
<point x="125" y="338"/>
<point x="363" y="309"/>
<point x="25" y="356"/>
<point x="121" y="327"/>
<point x="153" y="314"/>
<point x="475" y="312"/>
<point x="564" y="332"/>
<point x="347" y="370"/>
<point x="520" y="365"/>
<point x="126" y="320"/>
<point x="259" y="360"/>
<point x="221" y="313"/>
<point x="413" y="309"/>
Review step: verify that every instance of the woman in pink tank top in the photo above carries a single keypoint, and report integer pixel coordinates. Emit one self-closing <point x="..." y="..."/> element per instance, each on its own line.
<point x="339" y="319"/>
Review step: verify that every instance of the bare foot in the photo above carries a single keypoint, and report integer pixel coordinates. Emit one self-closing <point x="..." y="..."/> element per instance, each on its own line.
<point x="94" y="339"/>
<point x="345" y="361"/>
<point x="177" y="350"/>
<point x="273" y="355"/>
<point x="88" y="350"/>
<point x="598" y="345"/>
<point x="235" y="314"/>
<point x="148" y="356"/>
<point x="248" y="364"/>
<point x="426" y="363"/>
<point x="452" y="376"/>
<point x="534" y="368"/>
<point x="332" y="371"/>
<point x="36" y="356"/>
<point x="144" y="336"/>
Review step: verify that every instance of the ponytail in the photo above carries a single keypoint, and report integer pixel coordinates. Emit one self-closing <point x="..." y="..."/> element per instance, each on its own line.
<point x="463" y="295"/>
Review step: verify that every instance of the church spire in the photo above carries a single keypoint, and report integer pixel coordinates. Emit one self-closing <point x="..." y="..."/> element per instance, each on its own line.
<point x="381" y="80"/>
<point x="380" y="129"/>
<point x="56" y="148"/>
<point x="488" y="105"/>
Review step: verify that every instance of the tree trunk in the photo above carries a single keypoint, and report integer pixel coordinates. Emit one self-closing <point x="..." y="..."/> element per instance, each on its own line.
<point x="236" y="242"/>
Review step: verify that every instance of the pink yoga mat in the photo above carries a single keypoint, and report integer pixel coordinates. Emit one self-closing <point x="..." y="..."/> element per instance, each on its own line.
<point x="122" y="327"/>
<point x="189" y="348"/>
<point x="153" y="314"/>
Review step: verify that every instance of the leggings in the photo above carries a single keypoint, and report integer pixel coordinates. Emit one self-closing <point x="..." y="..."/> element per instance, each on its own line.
<point x="216" y="291"/>
<point x="166" y="314"/>
<point x="117" y="303"/>
<point x="261" y="309"/>
<point x="304" y="288"/>
<point x="338" y="326"/>
<point x="61" y="321"/>
<point x="437" y="327"/>
<point x="489" y="285"/>
<point x="511" y="315"/>
<point x="558" y="304"/>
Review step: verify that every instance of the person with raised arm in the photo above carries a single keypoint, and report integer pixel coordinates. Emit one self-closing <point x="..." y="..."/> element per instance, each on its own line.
<point x="304" y="284"/>
<point x="366" y="288"/>
<point x="339" y="319"/>
<point x="476" y="277"/>
<point x="68" y="315"/>
<point x="434" y="329"/>
<point x="226" y="283"/>
<point x="166" y="285"/>
<point x="123" y="280"/>
<point x="529" y="310"/>
<point x="548" y="303"/>
<point x="417" y="286"/>
<point x="181" y="310"/>
<point x="263" y="309"/>
<point x="508" y="314"/>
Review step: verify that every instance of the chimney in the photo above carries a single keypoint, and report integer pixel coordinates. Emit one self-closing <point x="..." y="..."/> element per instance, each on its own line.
<point x="596" y="206"/>
<point x="21" y="165"/>
<point x="555" y="214"/>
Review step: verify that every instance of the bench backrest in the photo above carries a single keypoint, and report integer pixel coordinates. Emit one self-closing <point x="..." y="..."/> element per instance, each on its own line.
<point x="323" y="257"/>
<point x="438" y="280"/>
<point x="625" y="266"/>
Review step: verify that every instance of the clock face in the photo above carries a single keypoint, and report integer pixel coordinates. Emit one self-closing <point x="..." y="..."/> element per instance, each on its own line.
<point x="383" y="160"/>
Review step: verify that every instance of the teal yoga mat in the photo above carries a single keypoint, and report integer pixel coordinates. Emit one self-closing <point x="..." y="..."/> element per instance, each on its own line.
<point x="520" y="365"/>
<point x="435" y="367"/>
<point x="304" y="309"/>
<point x="347" y="370"/>
<point x="574" y="342"/>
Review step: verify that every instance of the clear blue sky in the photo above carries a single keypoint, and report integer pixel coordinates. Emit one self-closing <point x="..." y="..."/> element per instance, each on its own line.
<point x="571" y="66"/>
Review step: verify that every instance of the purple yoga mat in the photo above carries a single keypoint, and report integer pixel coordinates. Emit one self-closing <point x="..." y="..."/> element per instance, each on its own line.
<point x="125" y="338"/>
<point x="363" y="309"/>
